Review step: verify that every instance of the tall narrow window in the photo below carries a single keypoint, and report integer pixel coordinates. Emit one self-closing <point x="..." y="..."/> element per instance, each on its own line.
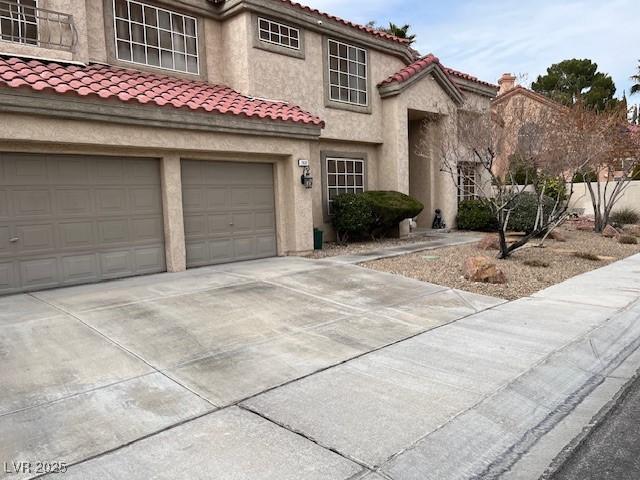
<point x="19" y="21"/>
<point x="344" y="175"/>
<point x="467" y="181"/>
<point x="347" y="73"/>
<point x="154" y="36"/>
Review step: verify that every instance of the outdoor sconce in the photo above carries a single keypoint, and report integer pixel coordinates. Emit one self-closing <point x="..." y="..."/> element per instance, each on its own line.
<point x="306" y="178"/>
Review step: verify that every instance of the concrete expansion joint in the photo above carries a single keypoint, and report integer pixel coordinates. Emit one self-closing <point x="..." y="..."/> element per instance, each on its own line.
<point x="308" y="437"/>
<point x="123" y="348"/>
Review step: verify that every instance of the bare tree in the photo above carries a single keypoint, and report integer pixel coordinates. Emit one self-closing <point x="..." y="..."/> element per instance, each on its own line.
<point x="537" y="139"/>
<point x="612" y="155"/>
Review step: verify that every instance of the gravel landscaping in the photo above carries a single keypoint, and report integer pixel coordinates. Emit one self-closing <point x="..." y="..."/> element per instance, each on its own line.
<point x="333" y="249"/>
<point x="525" y="270"/>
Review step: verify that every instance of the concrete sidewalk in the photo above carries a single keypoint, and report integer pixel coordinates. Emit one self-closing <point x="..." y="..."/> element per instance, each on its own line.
<point x="470" y="399"/>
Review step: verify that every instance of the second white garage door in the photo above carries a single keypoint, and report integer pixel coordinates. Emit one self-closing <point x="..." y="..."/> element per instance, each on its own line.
<point x="229" y="211"/>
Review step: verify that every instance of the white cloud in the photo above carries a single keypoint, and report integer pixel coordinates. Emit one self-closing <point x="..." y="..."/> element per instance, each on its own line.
<point x="494" y="36"/>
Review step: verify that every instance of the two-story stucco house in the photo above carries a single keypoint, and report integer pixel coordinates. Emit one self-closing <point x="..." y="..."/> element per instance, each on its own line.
<point x="139" y="136"/>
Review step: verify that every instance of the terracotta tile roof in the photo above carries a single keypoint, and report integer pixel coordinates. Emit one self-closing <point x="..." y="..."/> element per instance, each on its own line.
<point x="410" y="70"/>
<point x="362" y="28"/>
<point x="470" y="78"/>
<point x="420" y="64"/>
<point x="108" y="82"/>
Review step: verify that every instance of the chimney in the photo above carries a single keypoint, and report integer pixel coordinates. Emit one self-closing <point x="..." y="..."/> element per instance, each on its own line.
<point x="507" y="82"/>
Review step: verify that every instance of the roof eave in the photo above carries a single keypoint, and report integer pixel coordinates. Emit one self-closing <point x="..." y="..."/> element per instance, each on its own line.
<point x="396" y="88"/>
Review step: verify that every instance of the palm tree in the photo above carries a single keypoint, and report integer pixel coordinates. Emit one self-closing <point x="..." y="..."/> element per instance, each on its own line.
<point x="635" y="88"/>
<point x="401" y="32"/>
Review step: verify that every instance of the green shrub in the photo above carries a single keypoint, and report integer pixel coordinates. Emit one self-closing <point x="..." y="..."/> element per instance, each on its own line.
<point x="554" y="188"/>
<point x="352" y="217"/>
<point x="628" y="240"/>
<point x="523" y="215"/>
<point x="625" y="216"/>
<point x="390" y="208"/>
<point x="585" y="177"/>
<point x="475" y="215"/>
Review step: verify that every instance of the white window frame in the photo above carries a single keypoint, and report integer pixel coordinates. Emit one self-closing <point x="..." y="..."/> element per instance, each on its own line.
<point x="467" y="192"/>
<point x="348" y="188"/>
<point x="281" y="27"/>
<point x="20" y="18"/>
<point x="364" y="77"/>
<point x="159" y="29"/>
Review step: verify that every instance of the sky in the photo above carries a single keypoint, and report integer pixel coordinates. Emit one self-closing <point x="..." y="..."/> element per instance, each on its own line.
<point x="490" y="37"/>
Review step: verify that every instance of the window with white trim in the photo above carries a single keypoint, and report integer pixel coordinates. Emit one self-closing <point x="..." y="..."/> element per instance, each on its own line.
<point x="344" y="175"/>
<point x="154" y="36"/>
<point x="19" y="22"/>
<point x="347" y="73"/>
<point x="467" y="181"/>
<point x="278" y="33"/>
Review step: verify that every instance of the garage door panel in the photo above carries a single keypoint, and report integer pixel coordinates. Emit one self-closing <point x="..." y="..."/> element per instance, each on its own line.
<point x="73" y="201"/>
<point x="116" y="263"/>
<point x="111" y="201"/>
<point x="78" y="234"/>
<point x="41" y="272"/>
<point x="79" y="268"/>
<point x="265" y="245"/>
<point x="217" y="198"/>
<point x="239" y="209"/>
<point x="148" y="259"/>
<point x="144" y="229"/>
<point x="36" y="237"/>
<point x="30" y="203"/>
<point x="70" y="171"/>
<point x="8" y="277"/>
<point x="145" y="200"/>
<point x="78" y="219"/>
<point x="113" y="231"/>
<point x="221" y="251"/>
<point x="219" y="224"/>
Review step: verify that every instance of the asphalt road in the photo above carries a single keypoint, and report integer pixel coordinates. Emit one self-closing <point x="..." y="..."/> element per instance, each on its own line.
<point x="611" y="450"/>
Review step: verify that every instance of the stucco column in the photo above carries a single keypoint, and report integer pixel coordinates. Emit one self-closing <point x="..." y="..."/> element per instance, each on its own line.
<point x="172" y="211"/>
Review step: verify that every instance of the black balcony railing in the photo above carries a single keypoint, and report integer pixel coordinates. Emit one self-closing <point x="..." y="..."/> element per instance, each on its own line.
<point x="22" y="21"/>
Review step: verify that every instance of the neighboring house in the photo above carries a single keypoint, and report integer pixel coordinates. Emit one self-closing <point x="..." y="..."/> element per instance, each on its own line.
<point x="143" y="136"/>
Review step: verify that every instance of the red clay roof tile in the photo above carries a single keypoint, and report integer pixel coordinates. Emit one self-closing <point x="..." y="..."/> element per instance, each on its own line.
<point x="126" y="85"/>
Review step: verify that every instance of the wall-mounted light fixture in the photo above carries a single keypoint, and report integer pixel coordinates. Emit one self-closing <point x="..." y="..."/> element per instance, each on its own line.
<point x="306" y="178"/>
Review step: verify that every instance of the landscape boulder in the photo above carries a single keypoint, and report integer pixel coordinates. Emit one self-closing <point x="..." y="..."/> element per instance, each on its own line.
<point x="610" y="232"/>
<point x="490" y="242"/>
<point x="632" y="229"/>
<point x="483" y="270"/>
<point x="557" y="236"/>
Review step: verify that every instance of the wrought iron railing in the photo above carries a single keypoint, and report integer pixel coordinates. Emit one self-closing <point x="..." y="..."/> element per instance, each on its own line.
<point x="22" y="21"/>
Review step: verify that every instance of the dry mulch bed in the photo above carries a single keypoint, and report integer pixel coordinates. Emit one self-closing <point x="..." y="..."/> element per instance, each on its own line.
<point x="332" y="249"/>
<point x="444" y="266"/>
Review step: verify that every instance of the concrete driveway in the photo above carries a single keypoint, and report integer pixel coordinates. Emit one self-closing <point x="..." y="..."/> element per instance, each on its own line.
<point x="163" y="363"/>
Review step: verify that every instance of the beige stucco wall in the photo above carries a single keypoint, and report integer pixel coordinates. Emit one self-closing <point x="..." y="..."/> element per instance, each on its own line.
<point x="629" y="199"/>
<point x="294" y="212"/>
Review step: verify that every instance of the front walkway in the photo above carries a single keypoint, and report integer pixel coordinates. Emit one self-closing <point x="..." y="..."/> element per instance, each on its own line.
<point x="292" y="368"/>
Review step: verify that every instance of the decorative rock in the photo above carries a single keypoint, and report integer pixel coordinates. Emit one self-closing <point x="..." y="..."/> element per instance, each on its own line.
<point x="490" y="242"/>
<point x="484" y="270"/>
<point x="610" y="232"/>
<point x="632" y="229"/>
<point x="557" y="236"/>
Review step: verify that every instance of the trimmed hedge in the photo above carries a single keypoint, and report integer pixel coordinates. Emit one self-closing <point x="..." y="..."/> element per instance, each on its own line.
<point x="390" y="208"/>
<point x="523" y="216"/>
<point x="371" y="214"/>
<point x="352" y="216"/>
<point x="475" y="215"/>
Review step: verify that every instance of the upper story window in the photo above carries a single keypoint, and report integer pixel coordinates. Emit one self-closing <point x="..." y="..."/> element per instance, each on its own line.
<point x="154" y="36"/>
<point x="19" y="21"/>
<point x="347" y="73"/>
<point x="278" y="34"/>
